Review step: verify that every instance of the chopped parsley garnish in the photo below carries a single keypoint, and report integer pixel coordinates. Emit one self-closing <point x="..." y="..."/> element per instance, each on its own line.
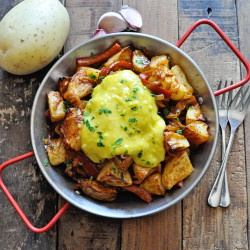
<point x="130" y="134"/>
<point x="165" y="111"/>
<point x="134" y="108"/>
<point x="113" y="169"/>
<point x="153" y="95"/>
<point x="68" y="163"/>
<point x="122" y="176"/>
<point x="119" y="141"/>
<point x="140" y="61"/>
<point x="176" y="118"/>
<point x="148" y="163"/>
<point x="85" y="113"/>
<point x="100" y="144"/>
<point x="46" y="163"/>
<point x="132" y="120"/>
<point x="80" y="164"/>
<point x="104" y="110"/>
<point x="128" y="100"/>
<point x="67" y="105"/>
<point x="125" y="128"/>
<point x="140" y="154"/>
<point x="122" y="81"/>
<point x="122" y="114"/>
<point x="89" y="126"/>
<point x="90" y="179"/>
<point x="101" y="78"/>
<point x="179" y="131"/>
<point x="92" y="76"/>
<point x="126" y="152"/>
<point x="191" y="106"/>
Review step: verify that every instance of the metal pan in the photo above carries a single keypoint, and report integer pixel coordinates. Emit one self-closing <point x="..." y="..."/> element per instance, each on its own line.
<point x="126" y="206"/>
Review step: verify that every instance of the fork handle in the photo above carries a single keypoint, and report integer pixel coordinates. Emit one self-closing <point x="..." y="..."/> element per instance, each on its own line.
<point x="225" y="197"/>
<point x="215" y="193"/>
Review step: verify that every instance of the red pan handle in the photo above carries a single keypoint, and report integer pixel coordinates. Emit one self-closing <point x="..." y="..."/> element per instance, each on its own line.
<point x="15" y="205"/>
<point x="229" y="43"/>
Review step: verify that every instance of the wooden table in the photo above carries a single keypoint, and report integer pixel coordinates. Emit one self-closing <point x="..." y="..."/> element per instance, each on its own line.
<point x="190" y="224"/>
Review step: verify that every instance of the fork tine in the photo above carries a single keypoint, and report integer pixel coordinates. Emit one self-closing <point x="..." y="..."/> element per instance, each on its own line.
<point x="247" y="101"/>
<point x="233" y="103"/>
<point x="223" y="101"/>
<point x="243" y="98"/>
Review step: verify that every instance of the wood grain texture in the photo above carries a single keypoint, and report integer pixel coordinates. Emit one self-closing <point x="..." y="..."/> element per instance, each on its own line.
<point x="163" y="230"/>
<point x="205" y="227"/>
<point x="24" y="179"/>
<point x="243" y="8"/>
<point x="78" y="229"/>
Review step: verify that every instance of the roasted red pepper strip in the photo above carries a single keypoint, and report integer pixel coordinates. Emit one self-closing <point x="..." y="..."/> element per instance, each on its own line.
<point x="99" y="58"/>
<point x="155" y="89"/>
<point x="87" y="165"/>
<point x="142" y="193"/>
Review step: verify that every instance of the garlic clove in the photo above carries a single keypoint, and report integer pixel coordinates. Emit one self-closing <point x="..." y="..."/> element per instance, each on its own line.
<point x="112" y="22"/>
<point x="100" y="32"/>
<point x="132" y="17"/>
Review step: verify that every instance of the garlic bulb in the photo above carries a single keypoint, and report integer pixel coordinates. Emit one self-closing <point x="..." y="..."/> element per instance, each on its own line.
<point x="112" y="22"/>
<point x="132" y="17"/>
<point x="99" y="32"/>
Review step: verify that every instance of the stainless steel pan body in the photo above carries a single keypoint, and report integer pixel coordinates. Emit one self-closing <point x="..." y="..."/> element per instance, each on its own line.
<point x="126" y="206"/>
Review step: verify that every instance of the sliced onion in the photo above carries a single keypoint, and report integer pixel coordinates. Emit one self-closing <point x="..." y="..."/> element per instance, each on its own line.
<point x="159" y="97"/>
<point x="112" y="22"/>
<point x="132" y="17"/>
<point x="99" y="32"/>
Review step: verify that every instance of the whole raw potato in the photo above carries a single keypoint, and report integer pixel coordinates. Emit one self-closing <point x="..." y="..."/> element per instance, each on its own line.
<point x="32" y="34"/>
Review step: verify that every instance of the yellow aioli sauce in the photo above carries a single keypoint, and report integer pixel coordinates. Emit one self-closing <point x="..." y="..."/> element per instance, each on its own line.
<point x="121" y="118"/>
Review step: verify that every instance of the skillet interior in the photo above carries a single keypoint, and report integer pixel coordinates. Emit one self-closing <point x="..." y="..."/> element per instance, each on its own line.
<point x="126" y="206"/>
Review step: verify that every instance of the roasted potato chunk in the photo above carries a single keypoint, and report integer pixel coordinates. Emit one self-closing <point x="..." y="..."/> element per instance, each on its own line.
<point x="123" y="162"/>
<point x="140" y="61"/>
<point x="90" y="72"/>
<point x="142" y="173"/>
<point x="176" y="169"/>
<point x="111" y="175"/>
<point x="98" y="191"/>
<point x="56" y="151"/>
<point x="80" y="86"/>
<point x="194" y="114"/>
<point x="153" y="184"/>
<point x="175" y="142"/>
<point x="196" y="133"/>
<point x="70" y="129"/>
<point x="63" y="85"/>
<point x="156" y="61"/>
<point x="180" y="75"/>
<point x="56" y="106"/>
<point x="124" y="55"/>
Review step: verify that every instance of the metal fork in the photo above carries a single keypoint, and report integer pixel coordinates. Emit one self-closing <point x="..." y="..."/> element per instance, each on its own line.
<point x="236" y="115"/>
<point x="223" y="120"/>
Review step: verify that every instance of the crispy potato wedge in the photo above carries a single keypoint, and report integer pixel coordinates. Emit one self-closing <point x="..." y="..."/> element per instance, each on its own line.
<point x="70" y="129"/>
<point x="80" y="86"/>
<point x="56" y="151"/>
<point x="175" y="142"/>
<point x="194" y="114"/>
<point x="153" y="184"/>
<point x="56" y="106"/>
<point x="176" y="169"/>
<point x="180" y="75"/>
<point x="196" y="133"/>
<point x="97" y="190"/>
<point x="123" y="162"/>
<point x="111" y="175"/>
<point x="124" y="55"/>
<point x="141" y="173"/>
<point x="140" y="61"/>
<point x="156" y="61"/>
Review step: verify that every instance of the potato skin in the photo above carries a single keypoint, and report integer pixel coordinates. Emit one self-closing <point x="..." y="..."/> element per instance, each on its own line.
<point x="32" y="34"/>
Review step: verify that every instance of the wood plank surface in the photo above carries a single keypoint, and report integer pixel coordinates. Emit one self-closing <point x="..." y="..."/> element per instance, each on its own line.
<point x="205" y="227"/>
<point x="24" y="179"/>
<point x="243" y="8"/>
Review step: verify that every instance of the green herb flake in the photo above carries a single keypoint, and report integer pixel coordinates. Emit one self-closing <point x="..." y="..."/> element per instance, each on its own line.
<point x="104" y="110"/>
<point x="134" y="108"/>
<point x="126" y="152"/>
<point x="119" y="141"/>
<point x="89" y="126"/>
<point x="91" y="53"/>
<point x="140" y="154"/>
<point x="100" y="144"/>
<point x="190" y="107"/>
<point x="85" y="113"/>
<point x="122" y="114"/>
<point x="176" y="118"/>
<point x="113" y="169"/>
<point x="130" y="134"/>
<point x="128" y="100"/>
<point x="165" y="111"/>
<point x="80" y="164"/>
<point x="122" y="176"/>
<point x="179" y="131"/>
<point x="140" y="61"/>
<point x="132" y="120"/>
<point x="46" y="163"/>
<point x="67" y="105"/>
<point x="91" y="179"/>
<point x="148" y="163"/>
<point x="125" y="128"/>
<point x="68" y="163"/>
<point x="92" y="76"/>
<point x="153" y="95"/>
